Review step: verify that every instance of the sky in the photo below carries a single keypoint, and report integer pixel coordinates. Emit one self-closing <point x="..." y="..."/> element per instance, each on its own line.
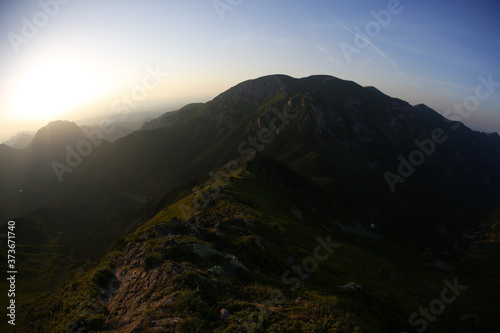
<point x="75" y="59"/>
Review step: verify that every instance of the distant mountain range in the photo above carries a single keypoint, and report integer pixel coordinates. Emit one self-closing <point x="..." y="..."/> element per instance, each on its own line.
<point x="122" y="127"/>
<point x="343" y="136"/>
<point x="243" y="176"/>
<point x="20" y="140"/>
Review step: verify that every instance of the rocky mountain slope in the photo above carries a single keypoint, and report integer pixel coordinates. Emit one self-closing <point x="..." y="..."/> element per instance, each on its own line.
<point x="265" y="254"/>
<point x="324" y="148"/>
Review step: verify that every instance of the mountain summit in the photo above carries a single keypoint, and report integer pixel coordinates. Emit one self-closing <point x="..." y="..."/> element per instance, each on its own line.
<point x="231" y="192"/>
<point x="355" y="141"/>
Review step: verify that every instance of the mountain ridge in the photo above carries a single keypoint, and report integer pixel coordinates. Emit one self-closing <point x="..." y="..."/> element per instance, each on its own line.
<point x="233" y="258"/>
<point x="367" y="128"/>
<point x="338" y="136"/>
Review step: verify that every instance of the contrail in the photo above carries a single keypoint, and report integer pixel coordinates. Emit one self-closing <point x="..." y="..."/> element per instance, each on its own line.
<point x="375" y="48"/>
<point x="379" y="51"/>
<point x="363" y="65"/>
<point x="330" y="57"/>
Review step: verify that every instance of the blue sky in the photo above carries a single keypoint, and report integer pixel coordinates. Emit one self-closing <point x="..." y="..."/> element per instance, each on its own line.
<point x="87" y="54"/>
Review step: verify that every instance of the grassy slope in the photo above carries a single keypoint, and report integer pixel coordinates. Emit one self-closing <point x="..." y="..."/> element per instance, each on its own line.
<point x="393" y="285"/>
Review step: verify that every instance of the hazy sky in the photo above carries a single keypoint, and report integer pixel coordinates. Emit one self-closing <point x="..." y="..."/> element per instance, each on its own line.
<point x="81" y="58"/>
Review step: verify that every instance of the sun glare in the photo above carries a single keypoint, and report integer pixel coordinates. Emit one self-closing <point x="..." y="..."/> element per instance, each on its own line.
<point x="51" y="89"/>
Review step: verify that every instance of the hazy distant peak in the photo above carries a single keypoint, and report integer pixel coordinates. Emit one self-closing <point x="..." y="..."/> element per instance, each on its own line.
<point x="58" y="127"/>
<point x="57" y="132"/>
<point x="21" y="140"/>
<point x="60" y="123"/>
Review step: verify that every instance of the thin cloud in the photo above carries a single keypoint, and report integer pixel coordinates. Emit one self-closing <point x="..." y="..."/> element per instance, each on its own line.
<point x="374" y="47"/>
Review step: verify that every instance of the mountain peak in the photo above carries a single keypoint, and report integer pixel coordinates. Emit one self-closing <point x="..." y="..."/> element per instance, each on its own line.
<point x="61" y="124"/>
<point x="56" y="133"/>
<point x="260" y="89"/>
<point x="21" y="140"/>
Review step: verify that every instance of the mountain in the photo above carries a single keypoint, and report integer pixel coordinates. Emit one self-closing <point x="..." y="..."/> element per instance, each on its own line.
<point x="344" y="137"/>
<point x="338" y="133"/>
<point x="265" y="253"/>
<point x="121" y="124"/>
<point x="117" y="133"/>
<point x="20" y="140"/>
<point x="314" y="152"/>
<point x="28" y="175"/>
<point x="349" y="138"/>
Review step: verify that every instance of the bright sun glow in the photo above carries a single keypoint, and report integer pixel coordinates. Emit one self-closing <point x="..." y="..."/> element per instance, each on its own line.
<point x="51" y="89"/>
